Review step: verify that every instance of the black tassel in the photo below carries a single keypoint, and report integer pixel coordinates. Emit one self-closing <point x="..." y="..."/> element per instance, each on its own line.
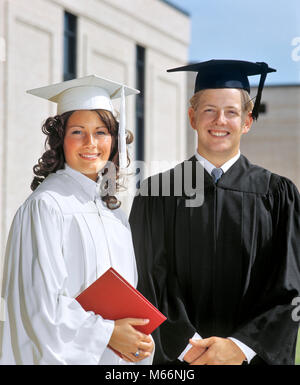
<point x="264" y="72"/>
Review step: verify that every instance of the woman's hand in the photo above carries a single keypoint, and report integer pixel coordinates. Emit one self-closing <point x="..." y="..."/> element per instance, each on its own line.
<point x="127" y="340"/>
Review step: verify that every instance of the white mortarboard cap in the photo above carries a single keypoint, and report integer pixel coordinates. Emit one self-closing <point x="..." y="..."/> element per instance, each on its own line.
<point x="90" y="93"/>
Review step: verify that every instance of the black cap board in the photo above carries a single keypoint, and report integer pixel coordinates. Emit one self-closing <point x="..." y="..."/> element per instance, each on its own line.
<point x="228" y="74"/>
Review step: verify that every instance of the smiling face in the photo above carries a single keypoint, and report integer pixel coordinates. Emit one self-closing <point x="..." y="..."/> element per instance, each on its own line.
<point x="220" y="122"/>
<point x="87" y="143"/>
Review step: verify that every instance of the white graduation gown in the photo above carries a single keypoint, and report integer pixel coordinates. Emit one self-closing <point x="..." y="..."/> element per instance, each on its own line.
<point x="61" y="240"/>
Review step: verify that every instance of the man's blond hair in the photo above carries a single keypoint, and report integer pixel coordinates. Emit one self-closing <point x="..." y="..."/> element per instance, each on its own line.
<point x="246" y="102"/>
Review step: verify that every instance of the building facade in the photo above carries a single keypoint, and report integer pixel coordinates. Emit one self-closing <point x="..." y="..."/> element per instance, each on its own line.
<point x="274" y="139"/>
<point x="128" y="41"/>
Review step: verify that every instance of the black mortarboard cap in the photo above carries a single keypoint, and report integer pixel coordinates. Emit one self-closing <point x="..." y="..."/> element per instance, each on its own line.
<point x="228" y="74"/>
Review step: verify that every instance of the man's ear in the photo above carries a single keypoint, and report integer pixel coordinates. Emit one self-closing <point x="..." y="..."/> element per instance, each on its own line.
<point x="191" y="114"/>
<point x="247" y="123"/>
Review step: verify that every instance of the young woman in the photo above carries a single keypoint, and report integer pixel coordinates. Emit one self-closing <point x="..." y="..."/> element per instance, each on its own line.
<point x="65" y="235"/>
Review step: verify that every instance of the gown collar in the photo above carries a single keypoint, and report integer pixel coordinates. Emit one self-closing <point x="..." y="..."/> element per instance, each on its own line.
<point x="209" y="166"/>
<point x="242" y="176"/>
<point x="90" y="187"/>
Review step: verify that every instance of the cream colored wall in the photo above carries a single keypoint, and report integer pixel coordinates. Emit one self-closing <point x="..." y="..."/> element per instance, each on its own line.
<point x="108" y="31"/>
<point x="165" y="124"/>
<point x="2" y="117"/>
<point x="190" y="134"/>
<point x="32" y="59"/>
<point x="274" y="140"/>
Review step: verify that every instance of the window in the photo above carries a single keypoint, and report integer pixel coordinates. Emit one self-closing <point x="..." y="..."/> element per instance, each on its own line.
<point x="140" y="103"/>
<point x="70" y="42"/>
<point x="262" y="108"/>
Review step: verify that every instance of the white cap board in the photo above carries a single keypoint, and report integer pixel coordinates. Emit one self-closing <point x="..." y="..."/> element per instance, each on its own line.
<point x="90" y="93"/>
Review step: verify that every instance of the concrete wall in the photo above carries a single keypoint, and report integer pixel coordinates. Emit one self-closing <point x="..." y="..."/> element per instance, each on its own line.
<point x="33" y="57"/>
<point x="108" y="31"/>
<point x="191" y="134"/>
<point x="274" y="140"/>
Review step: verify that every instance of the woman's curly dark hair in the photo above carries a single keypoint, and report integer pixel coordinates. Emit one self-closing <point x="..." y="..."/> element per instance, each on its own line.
<point x="53" y="158"/>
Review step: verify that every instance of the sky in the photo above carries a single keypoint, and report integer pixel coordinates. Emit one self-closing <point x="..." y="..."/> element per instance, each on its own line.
<point x="253" y="30"/>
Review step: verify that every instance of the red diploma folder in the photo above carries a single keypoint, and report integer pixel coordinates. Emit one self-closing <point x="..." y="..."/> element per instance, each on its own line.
<point x="114" y="298"/>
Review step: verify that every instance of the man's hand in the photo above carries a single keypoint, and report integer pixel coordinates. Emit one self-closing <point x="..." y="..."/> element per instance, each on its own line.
<point x="214" y="351"/>
<point x="193" y="353"/>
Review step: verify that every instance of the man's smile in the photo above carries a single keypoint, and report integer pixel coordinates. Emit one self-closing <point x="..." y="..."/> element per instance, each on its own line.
<point x="219" y="133"/>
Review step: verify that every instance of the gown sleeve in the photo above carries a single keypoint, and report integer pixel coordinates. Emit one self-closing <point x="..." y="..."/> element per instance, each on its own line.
<point x="147" y="220"/>
<point x="38" y="305"/>
<point x="269" y="328"/>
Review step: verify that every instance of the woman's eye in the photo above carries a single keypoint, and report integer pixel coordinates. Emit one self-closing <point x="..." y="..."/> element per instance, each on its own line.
<point x="101" y="133"/>
<point x="76" y="132"/>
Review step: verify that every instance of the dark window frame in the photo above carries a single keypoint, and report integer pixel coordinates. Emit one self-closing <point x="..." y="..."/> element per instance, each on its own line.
<point x="70" y="46"/>
<point x="263" y="108"/>
<point x="140" y="103"/>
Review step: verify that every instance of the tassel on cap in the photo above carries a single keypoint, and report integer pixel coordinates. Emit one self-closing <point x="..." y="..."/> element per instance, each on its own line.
<point x="264" y="72"/>
<point x="122" y="133"/>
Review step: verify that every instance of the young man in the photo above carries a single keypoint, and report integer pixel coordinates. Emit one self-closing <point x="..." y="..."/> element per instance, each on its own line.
<point x="224" y="272"/>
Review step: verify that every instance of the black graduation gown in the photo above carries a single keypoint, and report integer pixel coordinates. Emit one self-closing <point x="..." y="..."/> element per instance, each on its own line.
<point x="227" y="268"/>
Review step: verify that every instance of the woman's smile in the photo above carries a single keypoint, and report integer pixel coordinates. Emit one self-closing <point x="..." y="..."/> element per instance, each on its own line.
<point x="89" y="156"/>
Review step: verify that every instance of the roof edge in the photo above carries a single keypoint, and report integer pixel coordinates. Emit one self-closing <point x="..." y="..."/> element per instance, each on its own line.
<point x="279" y="85"/>
<point x="179" y="9"/>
